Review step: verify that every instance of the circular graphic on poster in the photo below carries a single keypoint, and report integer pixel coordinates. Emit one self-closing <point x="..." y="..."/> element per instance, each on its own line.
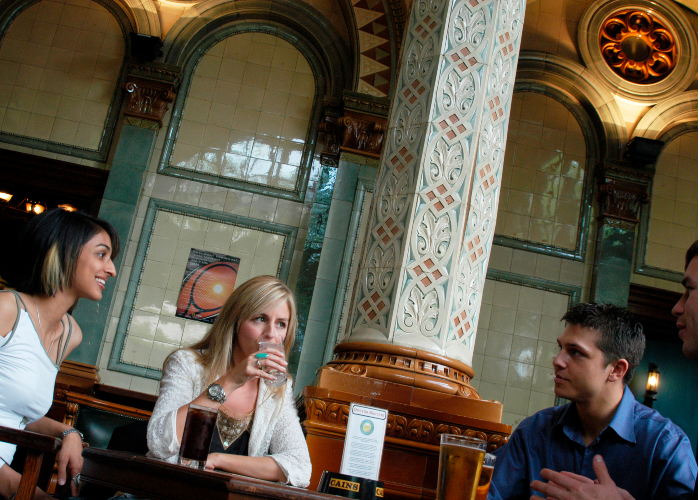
<point x="366" y="427"/>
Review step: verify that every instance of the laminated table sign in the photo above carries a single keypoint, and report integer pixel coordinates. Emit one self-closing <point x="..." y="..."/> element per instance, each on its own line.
<point x="364" y="441"/>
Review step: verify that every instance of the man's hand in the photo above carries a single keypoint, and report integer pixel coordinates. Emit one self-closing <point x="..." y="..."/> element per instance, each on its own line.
<point x="569" y="486"/>
<point x="70" y="461"/>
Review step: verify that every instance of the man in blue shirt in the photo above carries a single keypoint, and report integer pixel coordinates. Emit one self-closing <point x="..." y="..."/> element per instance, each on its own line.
<point x="566" y="486"/>
<point x="647" y="455"/>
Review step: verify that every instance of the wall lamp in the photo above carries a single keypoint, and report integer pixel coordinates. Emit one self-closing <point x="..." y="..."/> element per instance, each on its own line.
<point x="33" y="206"/>
<point x="652" y="385"/>
<point x="5" y="196"/>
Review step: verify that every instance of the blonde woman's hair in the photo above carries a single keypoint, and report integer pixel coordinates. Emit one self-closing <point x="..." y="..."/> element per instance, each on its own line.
<point x="262" y="293"/>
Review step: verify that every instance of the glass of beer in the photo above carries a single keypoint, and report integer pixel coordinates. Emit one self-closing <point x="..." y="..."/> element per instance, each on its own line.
<point x="482" y="490"/>
<point x="196" y="439"/>
<point x="460" y="467"/>
<point x="280" y="377"/>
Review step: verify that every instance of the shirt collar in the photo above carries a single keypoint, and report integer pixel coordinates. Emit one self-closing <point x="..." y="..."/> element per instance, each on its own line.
<point x="622" y="423"/>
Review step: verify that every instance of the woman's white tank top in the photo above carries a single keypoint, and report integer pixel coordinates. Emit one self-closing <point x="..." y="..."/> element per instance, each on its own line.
<point x="27" y="379"/>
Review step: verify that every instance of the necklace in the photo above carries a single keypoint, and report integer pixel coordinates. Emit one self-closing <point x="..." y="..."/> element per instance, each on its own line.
<point x="38" y="315"/>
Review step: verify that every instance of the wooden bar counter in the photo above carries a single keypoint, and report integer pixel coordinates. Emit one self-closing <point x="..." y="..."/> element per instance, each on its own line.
<point x="159" y="480"/>
<point x="426" y="395"/>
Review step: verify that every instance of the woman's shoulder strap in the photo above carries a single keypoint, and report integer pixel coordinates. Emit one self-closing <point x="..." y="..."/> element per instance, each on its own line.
<point x="18" y="300"/>
<point x="65" y="343"/>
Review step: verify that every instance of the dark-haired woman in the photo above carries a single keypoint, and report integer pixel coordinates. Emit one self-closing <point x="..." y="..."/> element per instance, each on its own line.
<point x="61" y="257"/>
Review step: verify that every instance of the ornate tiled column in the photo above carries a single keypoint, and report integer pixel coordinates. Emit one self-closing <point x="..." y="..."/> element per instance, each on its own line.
<point x="149" y="87"/>
<point x="416" y="301"/>
<point x="434" y="210"/>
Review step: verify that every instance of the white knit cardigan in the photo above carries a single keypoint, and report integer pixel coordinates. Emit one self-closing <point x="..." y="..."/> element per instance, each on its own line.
<point x="276" y="431"/>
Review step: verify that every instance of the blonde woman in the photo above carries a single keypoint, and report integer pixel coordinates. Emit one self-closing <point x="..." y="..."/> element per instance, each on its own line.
<point x="61" y="257"/>
<point x="222" y="371"/>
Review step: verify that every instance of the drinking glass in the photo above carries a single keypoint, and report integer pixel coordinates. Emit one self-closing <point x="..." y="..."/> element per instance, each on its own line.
<point x="460" y="467"/>
<point x="196" y="439"/>
<point x="281" y="377"/>
<point x="482" y="490"/>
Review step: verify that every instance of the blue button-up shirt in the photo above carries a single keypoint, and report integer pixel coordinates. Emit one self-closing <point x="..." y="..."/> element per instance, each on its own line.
<point x="646" y="454"/>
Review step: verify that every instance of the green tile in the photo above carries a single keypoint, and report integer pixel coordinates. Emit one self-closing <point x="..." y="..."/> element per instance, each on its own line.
<point x="346" y="181"/>
<point x="324" y="193"/>
<point x="135" y="144"/>
<point x="338" y="220"/>
<point x="125" y="183"/>
<point x="317" y="224"/>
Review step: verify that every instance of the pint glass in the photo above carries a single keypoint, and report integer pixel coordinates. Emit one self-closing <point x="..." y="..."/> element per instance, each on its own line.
<point x="460" y="467"/>
<point x="281" y="377"/>
<point x="196" y="439"/>
<point x="482" y="490"/>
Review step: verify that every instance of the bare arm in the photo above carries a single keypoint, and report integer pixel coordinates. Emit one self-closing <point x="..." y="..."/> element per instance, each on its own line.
<point x="258" y="467"/>
<point x="70" y="456"/>
<point x="9" y="483"/>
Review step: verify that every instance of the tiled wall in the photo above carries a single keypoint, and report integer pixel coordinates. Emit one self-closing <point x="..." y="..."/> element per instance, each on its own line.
<point x="543" y="173"/>
<point x="154" y="331"/>
<point x="196" y="194"/>
<point x="247" y="112"/>
<point x="515" y="345"/>
<point x="154" y="342"/>
<point x="59" y="64"/>
<point x="673" y="221"/>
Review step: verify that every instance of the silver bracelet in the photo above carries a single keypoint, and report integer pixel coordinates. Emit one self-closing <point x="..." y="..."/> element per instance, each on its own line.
<point x="70" y="430"/>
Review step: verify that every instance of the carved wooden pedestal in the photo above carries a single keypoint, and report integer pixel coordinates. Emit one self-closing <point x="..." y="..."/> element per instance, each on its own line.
<point x="426" y="395"/>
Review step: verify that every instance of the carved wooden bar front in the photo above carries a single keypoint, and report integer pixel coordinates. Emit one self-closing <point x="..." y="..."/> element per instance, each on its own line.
<point x="426" y="395"/>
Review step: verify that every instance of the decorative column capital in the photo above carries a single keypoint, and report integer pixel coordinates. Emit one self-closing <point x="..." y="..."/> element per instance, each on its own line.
<point x="622" y="190"/>
<point x="150" y="87"/>
<point x="621" y="199"/>
<point x="357" y="125"/>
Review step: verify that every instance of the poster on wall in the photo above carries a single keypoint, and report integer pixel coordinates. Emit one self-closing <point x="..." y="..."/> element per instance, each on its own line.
<point x="208" y="282"/>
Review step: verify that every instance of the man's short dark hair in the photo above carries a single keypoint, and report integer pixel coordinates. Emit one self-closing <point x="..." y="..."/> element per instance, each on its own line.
<point x="691" y="253"/>
<point x="620" y="336"/>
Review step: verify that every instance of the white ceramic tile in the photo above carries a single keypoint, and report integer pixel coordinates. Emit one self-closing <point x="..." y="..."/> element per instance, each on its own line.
<point x="530" y="300"/>
<point x="543" y="379"/>
<point x="498" y="344"/>
<point x="194" y="332"/>
<point x="527" y="324"/>
<point x="169" y="303"/>
<point x="495" y="370"/>
<point x="155" y="274"/>
<point x="539" y="401"/>
<point x="519" y="375"/>
<point x="546" y="351"/>
<point x="177" y="275"/>
<point x="137" y="350"/>
<point x="523" y="349"/>
<point x="159" y="352"/>
<point x="170" y="330"/>
<point x="149" y="299"/>
<point x="144" y="385"/>
<point x="162" y="249"/>
<point x="115" y="379"/>
<point x="502" y="320"/>
<point x="491" y="391"/>
<point x="516" y="400"/>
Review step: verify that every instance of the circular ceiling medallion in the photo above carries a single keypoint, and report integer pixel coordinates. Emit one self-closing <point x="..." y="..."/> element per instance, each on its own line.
<point x="642" y="50"/>
<point x="638" y="46"/>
